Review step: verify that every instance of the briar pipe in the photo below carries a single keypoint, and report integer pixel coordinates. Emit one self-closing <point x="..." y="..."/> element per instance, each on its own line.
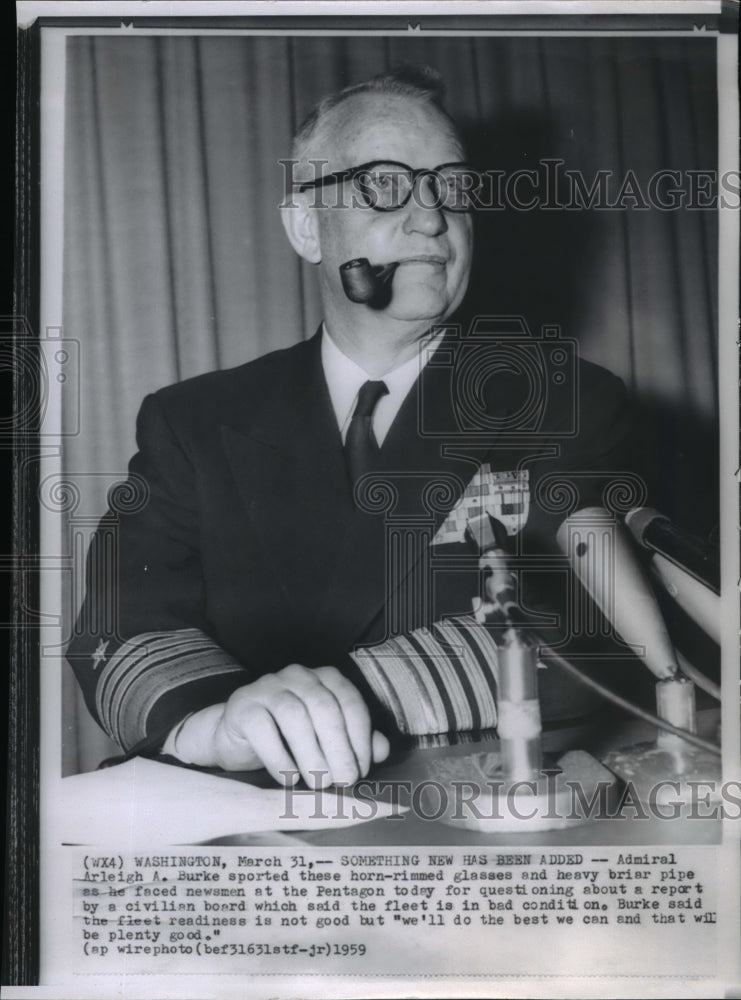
<point x="366" y="283"/>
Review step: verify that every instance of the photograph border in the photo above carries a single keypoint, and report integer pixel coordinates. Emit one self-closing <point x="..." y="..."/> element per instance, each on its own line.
<point x="21" y="951"/>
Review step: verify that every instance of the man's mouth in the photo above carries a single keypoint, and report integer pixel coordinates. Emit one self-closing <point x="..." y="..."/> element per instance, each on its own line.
<point x="424" y="259"/>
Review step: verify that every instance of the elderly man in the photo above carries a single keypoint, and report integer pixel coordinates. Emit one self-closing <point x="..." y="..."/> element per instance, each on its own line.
<point x="269" y="614"/>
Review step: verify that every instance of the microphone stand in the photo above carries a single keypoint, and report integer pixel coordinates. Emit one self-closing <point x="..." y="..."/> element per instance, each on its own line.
<point x="668" y="769"/>
<point x="519" y="789"/>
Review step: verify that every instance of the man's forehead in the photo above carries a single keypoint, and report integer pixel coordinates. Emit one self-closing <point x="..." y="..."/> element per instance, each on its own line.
<point x="395" y="126"/>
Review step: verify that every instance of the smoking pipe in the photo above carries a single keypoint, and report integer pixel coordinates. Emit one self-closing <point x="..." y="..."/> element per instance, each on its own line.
<point x="366" y="283"/>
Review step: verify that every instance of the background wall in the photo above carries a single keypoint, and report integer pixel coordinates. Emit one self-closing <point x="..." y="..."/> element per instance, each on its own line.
<point x="176" y="263"/>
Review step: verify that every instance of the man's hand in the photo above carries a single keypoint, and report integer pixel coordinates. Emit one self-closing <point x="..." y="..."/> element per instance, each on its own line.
<point x="296" y="720"/>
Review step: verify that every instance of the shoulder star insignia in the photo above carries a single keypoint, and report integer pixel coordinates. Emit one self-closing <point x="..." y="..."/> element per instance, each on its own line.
<point x="99" y="654"/>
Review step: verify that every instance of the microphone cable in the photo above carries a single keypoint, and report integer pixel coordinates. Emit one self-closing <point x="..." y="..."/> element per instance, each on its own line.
<point x="545" y="653"/>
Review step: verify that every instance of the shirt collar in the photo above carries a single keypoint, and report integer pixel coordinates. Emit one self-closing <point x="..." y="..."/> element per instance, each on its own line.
<point x="344" y="378"/>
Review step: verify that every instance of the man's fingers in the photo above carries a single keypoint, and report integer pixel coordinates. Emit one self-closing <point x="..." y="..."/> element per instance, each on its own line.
<point x="328" y="720"/>
<point x="256" y="725"/>
<point x="357" y="718"/>
<point x="297" y="725"/>
<point x="380" y="747"/>
<point x="311" y="720"/>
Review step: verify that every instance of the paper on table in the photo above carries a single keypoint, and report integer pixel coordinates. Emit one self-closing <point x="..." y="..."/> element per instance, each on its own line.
<point x="144" y="803"/>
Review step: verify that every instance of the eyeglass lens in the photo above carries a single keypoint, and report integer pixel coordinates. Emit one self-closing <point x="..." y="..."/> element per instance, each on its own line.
<point x="386" y="187"/>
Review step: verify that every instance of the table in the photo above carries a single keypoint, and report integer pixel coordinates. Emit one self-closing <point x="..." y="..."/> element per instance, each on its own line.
<point x="599" y="736"/>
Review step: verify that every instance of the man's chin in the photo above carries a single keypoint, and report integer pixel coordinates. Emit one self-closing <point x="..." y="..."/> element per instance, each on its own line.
<point x="417" y="306"/>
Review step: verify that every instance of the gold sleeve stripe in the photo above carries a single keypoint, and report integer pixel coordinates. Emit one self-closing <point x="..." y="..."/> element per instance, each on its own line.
<point x="437" y="680"/>
<point x="475" y="662"/>
<point x="392" y="670"/>
<point x="148" y="666"/>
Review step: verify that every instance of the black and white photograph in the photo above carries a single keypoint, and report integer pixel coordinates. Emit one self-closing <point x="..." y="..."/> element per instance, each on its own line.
<point x="380" y="442"/>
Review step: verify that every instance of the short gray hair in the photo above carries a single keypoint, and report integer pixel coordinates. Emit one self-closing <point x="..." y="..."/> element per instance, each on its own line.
<point x="408" y="80"/>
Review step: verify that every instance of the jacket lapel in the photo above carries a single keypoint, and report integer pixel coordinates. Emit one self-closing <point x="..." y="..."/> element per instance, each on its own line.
<point x="290" y="473"/>
<point x="288" y="464"/>
<point x="420" y="477"/>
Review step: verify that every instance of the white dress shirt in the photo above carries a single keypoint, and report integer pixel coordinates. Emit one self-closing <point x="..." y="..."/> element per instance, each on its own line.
<point x="345" y="377"/>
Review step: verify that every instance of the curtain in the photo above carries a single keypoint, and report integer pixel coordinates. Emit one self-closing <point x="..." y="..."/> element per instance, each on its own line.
<point x="176" y="263"/>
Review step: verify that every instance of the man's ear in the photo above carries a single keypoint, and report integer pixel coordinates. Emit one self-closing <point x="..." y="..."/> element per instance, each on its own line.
<point x="302" y="228"/>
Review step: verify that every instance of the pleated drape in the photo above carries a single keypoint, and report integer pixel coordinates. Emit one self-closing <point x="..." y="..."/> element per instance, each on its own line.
<point x="176" y="263"/>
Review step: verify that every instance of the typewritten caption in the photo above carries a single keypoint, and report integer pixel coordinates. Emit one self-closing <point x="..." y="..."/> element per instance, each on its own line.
<point x="253" y="910"/>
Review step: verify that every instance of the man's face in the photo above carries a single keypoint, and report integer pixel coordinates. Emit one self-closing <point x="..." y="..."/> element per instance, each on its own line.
<point x="433" y="246"/>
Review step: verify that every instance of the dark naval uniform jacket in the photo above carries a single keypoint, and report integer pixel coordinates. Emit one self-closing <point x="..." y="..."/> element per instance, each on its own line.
<point x="242" y="547"/>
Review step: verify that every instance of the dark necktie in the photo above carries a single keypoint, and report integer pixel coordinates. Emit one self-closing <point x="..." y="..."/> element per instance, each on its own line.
<point x="361" y="447"/>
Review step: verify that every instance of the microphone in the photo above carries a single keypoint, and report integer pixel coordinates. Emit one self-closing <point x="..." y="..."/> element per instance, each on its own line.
<point x="604" y="562"/>
<point x="656" y="533"/>
<point x="695" y="598"/>
<point x="366" y="283"/>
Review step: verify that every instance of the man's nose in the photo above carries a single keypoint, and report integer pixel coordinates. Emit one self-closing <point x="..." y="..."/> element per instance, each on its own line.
<point x="421" y="214"/>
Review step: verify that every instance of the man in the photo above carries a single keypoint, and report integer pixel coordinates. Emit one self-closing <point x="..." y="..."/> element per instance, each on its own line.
<point x="273" y="611"/>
